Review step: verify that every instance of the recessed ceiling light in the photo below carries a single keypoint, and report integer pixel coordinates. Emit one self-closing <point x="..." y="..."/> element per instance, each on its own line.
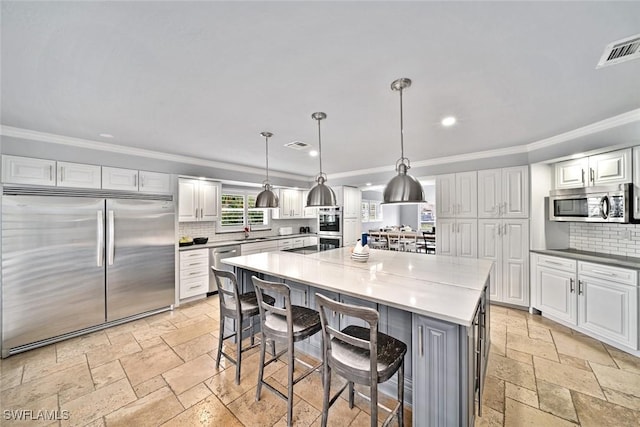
<point x="313" y="153"/>
<point x="368" y="184"/>
<point x="448" y="121"/>
<point x="106" y="135"/>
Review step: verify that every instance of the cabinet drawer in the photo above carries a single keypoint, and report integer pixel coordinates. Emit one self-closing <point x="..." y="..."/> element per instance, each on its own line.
<point x="194" y="286"/>
<point x="193" y="272"/>
<point x="192" y="263"/>
<point x="557" y="263"/>
<point x="191" y="255"/>
<point x="619" y="275"/>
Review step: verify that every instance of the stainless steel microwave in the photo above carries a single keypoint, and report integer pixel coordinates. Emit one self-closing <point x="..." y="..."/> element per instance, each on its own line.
<point x="592" y="204"/>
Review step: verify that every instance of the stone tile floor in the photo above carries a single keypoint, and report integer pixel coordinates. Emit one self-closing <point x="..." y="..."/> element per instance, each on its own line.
<point x="161" y="371"/>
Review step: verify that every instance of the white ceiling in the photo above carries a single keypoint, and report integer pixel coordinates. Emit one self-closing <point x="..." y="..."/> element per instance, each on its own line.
<point x="202" y="79"/>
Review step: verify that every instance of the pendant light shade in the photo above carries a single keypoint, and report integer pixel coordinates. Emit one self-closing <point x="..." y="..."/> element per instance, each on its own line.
<point x="267" y="198"/>
<point x="320" y="195"/>
<point x="403" y="188"/>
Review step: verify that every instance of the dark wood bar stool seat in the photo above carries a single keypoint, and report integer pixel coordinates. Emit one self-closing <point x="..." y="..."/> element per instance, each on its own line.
<point x="229" y="308"/>
<point x="289" y="324"/>
<point x="360" y="355"/>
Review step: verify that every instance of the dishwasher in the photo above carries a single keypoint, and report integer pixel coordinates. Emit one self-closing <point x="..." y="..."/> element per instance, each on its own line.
<point x="216" y="255"/>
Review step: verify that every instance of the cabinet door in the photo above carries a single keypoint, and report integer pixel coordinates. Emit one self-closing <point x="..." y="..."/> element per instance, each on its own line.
<point x="515" y="262"/>
<point x="466" y="195"/>
<point x="352" y="200"/>
<point x="119" y="179"/>
<point x="609" y="309"/>
<point x="187" y="200"/>
<point x="611" y="168"/>
<point x="490" y="247"/>
<point x="636" y="182"/>
<point x="436" y="373"/>
<point x="351" y="232"/>
<point x="557" y="294"/>
<point x="572" y="173"/>
<point x="209" y="193"/>
<point x="79" y="175"/>
<point x="155" y="182"/>
<point x="446" y="237"/>
<point x="445" y="195"/>
<point x="515" y="192"/>
<point x="307" y="212"/>
<point x="489" y="193"/>
<point x="467" y="238"/>
<point x="25" y="170"/>
<point x="287" y="203"/>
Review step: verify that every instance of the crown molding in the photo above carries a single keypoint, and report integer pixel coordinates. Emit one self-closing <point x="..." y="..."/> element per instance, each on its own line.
<point x="603" y="125"/>
<point x="113" y="148"/>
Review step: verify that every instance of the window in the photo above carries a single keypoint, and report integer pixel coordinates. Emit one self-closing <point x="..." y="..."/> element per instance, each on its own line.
<point x="237" y="210"/>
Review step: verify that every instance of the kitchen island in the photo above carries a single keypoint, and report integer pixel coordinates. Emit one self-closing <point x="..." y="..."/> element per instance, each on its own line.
<point x="437" y="305"/>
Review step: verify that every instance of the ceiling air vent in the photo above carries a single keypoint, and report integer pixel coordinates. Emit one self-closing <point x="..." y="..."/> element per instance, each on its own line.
<point x="620" y="51"/>
<point x="297" y="145"/>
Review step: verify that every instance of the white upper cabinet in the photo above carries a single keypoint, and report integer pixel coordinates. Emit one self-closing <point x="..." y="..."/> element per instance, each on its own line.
<point x="133" y="180"/>
<point x="352" y="197"/>
<point x="79" y="175"/>
<point x="154" y="182"/>
<point x="308" y="212"/>
<point x="25" y="170"/>
<point x="197" y="200"/>
<point x="503" y="193"/>
<point x="603" y="169"/>
<point x="290" y="204"/>
<point x="119" y="179"/>
<point x="636" y="182"/>
<point x="457" y="195"/>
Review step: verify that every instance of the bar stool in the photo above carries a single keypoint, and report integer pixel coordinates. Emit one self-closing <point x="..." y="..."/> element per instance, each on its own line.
<point x="360" y="355"/>
<point x="247" y="309"/>
<point x="290" y="324"/>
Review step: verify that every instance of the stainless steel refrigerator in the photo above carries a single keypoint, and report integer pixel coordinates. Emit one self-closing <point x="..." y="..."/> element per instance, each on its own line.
<point x="72" y="263"/>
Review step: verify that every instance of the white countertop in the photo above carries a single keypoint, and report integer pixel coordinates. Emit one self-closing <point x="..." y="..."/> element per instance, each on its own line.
<point x="445" y="288"/>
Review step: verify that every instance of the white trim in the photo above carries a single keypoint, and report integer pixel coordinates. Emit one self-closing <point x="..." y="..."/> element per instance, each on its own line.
<point x="612" y="122"/>
<point x="113" y="148"/>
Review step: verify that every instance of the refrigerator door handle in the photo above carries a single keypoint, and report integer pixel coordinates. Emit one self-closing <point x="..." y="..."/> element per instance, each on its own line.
<point x="111" y="239"/>
<point x="100" y="244"/>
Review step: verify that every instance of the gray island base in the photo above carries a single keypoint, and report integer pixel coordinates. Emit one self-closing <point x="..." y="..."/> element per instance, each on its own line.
<point x="437" y="305"/>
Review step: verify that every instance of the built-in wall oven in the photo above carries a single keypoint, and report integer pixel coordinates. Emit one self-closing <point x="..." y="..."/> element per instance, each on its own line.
<point x="330" y="221"/>
<point x="592" y="204"/>
<point x="329" y="242"/>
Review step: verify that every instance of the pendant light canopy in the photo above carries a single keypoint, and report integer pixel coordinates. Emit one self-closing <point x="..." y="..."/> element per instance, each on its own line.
<point x="320" y="195"/>
<point x="403" y="188"/>
<point x="267" y="198"/>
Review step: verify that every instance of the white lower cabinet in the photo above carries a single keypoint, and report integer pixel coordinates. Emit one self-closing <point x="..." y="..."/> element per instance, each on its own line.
<point x="506" y="243"/>
<point x="599" y="300"/>
<point x="194" y="272"/>
<point x="351" y="234"/>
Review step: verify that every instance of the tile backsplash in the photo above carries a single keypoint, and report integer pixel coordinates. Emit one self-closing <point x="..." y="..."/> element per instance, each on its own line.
<point x="208" y="229"/>
<point x="615" y="239"/>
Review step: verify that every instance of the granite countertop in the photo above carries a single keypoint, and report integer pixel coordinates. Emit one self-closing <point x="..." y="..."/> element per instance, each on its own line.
<point x="221" y="243"/>
<point x="597" y="257"/>
<point x="445" y="288"/>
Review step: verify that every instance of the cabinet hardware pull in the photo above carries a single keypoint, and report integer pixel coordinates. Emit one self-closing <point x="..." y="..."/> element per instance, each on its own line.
<point x="606" y="273"/>
<point x="592" y="175"/>
<point x="194" y="287"/>
<point x="50" y="172"/>
<point x="420" y="341"/>
<point x="61" y="173"/>
<point x="553" y="262"/>
<point x="196" y="213"/>
<point x="579" y="287"/>
<point x="100" y="243"/>
<point x="135" y="180"/>
<point x="582" y="170"/>
<point x="572" y="286"/>
<point x="201" y="213"/>
<point x="142" y="181"/>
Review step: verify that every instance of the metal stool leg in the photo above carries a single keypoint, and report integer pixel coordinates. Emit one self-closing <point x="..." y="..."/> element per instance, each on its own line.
<point x="374" y="405"/>
<point x="251" y="328"/>
<point x="290" y="387"/>
<point x="326" y="383"/>
<point x="401" y="394"/>
<point x="351" y="395"/>
<point x="238" y="348"/>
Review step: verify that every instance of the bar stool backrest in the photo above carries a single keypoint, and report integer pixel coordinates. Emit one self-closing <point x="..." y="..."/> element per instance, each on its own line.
<point x="228" y="295"/>
<point x="369" y="315"/>
<point x="282" y="291"/>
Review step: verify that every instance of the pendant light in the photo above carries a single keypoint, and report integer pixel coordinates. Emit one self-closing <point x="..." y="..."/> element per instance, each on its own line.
<point x="320" y="195"/>
<point x="403" y="188"/>
<point x="267" y="198"/>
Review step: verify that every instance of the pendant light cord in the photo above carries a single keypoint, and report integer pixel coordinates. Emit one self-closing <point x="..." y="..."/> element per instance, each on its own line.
<point x="401" y="128"/>
<point x="266" y="139"/>
<point x="319" y="147"/>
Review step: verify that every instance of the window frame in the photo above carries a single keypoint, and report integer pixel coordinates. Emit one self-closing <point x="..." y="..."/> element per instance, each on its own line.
<point x="246" y="194"/>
